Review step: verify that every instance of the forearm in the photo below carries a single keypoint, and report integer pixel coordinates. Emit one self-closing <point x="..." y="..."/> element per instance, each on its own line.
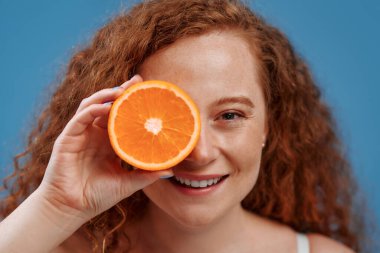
<point x="37" y="226"/>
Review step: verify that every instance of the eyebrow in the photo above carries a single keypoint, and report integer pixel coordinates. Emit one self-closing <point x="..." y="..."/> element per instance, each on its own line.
<point x="234" y="100"/>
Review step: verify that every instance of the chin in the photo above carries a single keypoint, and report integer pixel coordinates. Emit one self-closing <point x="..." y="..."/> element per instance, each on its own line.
<point x="189" y="218"/>
<point x="196" y="220"/>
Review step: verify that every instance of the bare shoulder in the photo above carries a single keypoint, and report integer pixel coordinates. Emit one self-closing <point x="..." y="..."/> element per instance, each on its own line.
<point x="322" y="244"/>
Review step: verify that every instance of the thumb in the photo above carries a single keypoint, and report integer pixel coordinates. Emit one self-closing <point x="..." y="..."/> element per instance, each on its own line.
<point x="138" y="179"/>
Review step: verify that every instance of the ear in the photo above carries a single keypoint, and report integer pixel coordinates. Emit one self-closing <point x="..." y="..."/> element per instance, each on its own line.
<point x="265" y="134"/>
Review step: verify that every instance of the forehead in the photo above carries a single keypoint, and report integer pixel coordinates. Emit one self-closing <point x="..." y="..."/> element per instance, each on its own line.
<point x="212" y="65"/>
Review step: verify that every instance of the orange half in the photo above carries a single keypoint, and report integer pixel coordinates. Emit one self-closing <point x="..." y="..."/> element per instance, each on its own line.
<point x="153" y="125"/>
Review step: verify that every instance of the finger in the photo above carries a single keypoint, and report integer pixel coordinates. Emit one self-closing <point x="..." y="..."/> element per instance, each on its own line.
<point x="135" y="79"/>
<point x="135" y="180"/>
<point x="107" y="95"/>
<point x="102" y="121"/>
<point x="79" y="123"/>
<point x="100" y="97"/>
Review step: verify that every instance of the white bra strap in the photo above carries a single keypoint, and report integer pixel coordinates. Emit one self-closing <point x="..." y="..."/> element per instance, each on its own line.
<point x="302" y="244"/>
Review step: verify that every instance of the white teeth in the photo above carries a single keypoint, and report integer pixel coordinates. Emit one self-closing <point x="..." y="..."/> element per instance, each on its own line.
<point x="197" y="183"/>
<point x="194" y="183"/>
<point x="203" y="183"/>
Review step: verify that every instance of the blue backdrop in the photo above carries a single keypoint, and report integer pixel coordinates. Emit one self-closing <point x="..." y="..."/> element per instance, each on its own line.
<point x="339" y="39"/>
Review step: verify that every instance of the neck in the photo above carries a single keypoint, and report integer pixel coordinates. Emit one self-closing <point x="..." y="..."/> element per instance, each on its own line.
<point x="158" y="232"/>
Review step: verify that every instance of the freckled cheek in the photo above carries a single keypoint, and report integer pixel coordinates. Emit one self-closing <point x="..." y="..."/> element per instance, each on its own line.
<point x="246" y="151"/>
<point x="248" y="163"/>
<point x="246" y="167"/>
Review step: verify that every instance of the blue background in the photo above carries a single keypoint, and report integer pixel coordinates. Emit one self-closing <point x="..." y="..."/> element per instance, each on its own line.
<point x="339" y="39"/>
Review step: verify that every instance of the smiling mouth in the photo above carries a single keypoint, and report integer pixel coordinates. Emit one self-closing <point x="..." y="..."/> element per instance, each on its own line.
<point x="197" y="184"/>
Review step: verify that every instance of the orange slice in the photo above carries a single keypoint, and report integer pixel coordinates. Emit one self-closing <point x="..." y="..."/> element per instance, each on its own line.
<point x="153" y="125"/>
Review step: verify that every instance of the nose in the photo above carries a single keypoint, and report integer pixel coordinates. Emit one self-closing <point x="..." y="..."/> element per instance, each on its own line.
<point x="206" y="150"/>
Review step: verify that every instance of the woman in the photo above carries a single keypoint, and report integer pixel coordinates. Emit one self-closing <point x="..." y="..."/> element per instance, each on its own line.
<point x="267" y="140"/>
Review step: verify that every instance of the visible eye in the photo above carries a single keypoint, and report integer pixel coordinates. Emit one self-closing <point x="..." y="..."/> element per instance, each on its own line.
<point x="230" y="119"/>
<point x="231" y="116"/>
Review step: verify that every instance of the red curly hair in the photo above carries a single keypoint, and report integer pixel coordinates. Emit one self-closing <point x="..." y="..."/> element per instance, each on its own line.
<point x="305" y="180"/>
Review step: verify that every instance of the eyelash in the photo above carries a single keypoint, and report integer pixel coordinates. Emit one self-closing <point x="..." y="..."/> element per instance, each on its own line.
<point x="231" y="117"/>
<point x="233" y="114"/>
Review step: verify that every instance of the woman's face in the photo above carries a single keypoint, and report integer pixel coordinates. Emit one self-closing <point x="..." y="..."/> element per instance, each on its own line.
<point x="220" y="73"/>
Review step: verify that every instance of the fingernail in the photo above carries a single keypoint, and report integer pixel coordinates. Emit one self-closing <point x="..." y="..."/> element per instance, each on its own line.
<point x="117" y="87"/>
<point x="166" y="176"/>
<point x="135" y="76"/>
<point x="124" y="84"/>
<point x="108" y="103"/>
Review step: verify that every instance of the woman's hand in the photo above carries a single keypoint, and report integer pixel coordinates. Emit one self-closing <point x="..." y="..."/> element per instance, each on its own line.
<point x="83" y="178"/>
<point x="84" y="173"/>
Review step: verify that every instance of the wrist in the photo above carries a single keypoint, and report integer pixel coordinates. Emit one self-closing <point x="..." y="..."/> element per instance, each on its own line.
<point x="37" y="225"/>
<point x="55" y="210"/>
